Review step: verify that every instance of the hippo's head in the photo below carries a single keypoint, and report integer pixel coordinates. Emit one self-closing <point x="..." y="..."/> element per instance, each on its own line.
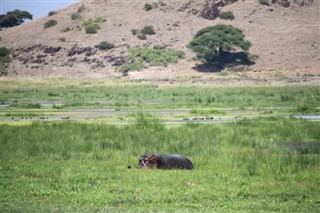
<point x="148" y="162"/>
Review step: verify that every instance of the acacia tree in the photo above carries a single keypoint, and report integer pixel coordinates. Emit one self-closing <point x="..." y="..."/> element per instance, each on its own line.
<point x="214" y="44"/>
<point x="14" y="18"/>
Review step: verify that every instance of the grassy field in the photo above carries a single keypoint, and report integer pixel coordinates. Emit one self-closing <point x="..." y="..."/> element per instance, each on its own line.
<point x="239" y="167"/>
<point x="267" y="164"/>
<point x="94" y="93"/>
<point x="56" y="98"/>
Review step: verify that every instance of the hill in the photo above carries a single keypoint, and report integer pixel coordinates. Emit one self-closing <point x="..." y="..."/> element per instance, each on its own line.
<point x="286" y="38"/>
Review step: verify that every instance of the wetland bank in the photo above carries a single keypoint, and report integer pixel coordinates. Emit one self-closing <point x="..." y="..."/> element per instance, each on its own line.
<point x="269" y="163"/>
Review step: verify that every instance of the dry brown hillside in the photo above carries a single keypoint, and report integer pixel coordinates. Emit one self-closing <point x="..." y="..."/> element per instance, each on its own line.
<point x="286" y="39"/>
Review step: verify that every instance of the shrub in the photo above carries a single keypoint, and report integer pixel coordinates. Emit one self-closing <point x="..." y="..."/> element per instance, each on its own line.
<point x="50" y="23"/>
<point x="3" y="70"/>
<point x="227" y="15"/>
<point x="51" y="13"/>
<point x="137" y="65"/>
<point x="156" y="56"/>
<point x="148" y="30"/>
<point x="4" y="60"/>
<point x="147" y="7"/>
<point x="142" y="37"/>
<point x="135" y="31"/>
<point x="104" y="45"/>
<point x="75" y="16"/>
<point x="92" y="28"/>
<point x="264" y="2"/>
<point x="67" y="29"/>
<point x="100" y="20"/>
<point x="4" y="51"/>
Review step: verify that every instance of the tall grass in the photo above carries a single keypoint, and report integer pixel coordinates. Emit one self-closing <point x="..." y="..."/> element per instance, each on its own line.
<point x="83" y="167"/>
<point x="301" y="99"/>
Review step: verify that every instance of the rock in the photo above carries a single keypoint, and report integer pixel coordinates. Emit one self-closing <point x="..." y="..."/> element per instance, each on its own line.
<point x="38" y="60"/>
<point x="72" y="51"/>
<point x="185" y="6"/>
<point x="51" y="49"/>
<point x="125" y="73"/>
<point x="283" y="3"/>
<point x="222" y="3"/>
<point x="210" y="12"/>
<point x="109" y="58"/>
<point x="118" y="62"/>
<point x="303" y="2"/>
<point x="25" y="58"/>
<point x="41" y="55"/>
<point x="90" y="51"/>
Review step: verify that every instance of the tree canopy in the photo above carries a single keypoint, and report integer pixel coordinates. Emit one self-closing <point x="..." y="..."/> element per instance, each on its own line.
<point x="14" y="18"/>
<point x="212" y="43"/>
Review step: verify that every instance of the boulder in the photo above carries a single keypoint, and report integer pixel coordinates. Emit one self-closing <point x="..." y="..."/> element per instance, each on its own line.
<point x="210" y="12"/>
<point x="51" y="49"/>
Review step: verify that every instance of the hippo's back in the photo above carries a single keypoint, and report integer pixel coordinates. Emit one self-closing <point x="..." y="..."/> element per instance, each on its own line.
<point x="174" y="162"/>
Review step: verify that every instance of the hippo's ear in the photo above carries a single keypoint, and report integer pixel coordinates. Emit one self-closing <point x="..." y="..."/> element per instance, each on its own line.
<point x="153" y="158"/>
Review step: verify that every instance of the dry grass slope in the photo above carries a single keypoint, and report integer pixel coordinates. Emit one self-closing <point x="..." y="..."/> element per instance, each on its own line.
<point x="285" y="39"/>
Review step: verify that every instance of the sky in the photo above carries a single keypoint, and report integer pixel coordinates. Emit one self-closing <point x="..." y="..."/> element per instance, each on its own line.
<point x="37" y="8"/>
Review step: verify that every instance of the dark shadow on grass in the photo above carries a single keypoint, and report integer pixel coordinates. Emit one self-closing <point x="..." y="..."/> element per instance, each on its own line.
<point x="225" y="60"/>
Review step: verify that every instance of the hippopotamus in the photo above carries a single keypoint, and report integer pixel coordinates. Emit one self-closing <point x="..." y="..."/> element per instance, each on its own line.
<point x="163" y="161"/>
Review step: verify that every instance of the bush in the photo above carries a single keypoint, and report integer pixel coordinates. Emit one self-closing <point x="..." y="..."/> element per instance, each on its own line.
<point x="4" y="51"/>
<point x="75" y="16"/>
<point x="264" y="2"/>
<point x="92" y="26"/>
<point x="148" y="30"/>
<point x="137" y="65"/>
<point x="100" y="20"/>
<point x="67" y="29"/>
<point x="142" y="37"/>
<point x="156" y="56"/>
<point x="4" y="60"/>
<point x="147" y="7"/>
<point x="135" y="31"/>
<point x="51" y="13"/>
<point x="3" y="70"/>
<point x="227" y="15"/>
<point x="104" y="45"/>
<point x="50" y="23"/>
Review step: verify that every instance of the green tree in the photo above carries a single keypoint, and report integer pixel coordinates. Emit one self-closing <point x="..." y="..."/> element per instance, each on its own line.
<point x="14" y="18"/>
<point x="4" y="60"/>
<point x="214" y="44"/>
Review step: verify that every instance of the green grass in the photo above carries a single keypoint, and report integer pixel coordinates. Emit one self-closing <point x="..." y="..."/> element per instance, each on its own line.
<point x="155" y="56"/>
<point x="75" y="93"/>
<point x="241" y="166"/>
<point x="74" y="167"/>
